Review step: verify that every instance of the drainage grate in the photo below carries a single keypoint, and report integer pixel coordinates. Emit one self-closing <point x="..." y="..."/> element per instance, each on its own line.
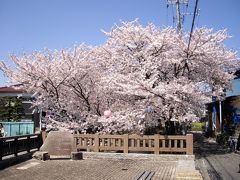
<point x="145" y="175"/>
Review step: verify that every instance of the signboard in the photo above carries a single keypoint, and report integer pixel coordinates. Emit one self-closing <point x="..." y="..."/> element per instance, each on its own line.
<point x="236" y="115"/>
<point x="214" y="98"/>
<point x="236" y="118"/>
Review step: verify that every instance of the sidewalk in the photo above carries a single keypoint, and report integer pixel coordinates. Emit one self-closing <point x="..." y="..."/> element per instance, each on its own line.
<point x="90" y="169"/>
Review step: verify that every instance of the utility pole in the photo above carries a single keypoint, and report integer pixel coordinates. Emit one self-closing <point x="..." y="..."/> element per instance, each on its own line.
<point x="178" y="17"/>
<point x="181" y="7"/>
<point x="220" y="115"/>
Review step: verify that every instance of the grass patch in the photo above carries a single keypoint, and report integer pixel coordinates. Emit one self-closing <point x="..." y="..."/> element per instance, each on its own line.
<point x="197" y="126"/>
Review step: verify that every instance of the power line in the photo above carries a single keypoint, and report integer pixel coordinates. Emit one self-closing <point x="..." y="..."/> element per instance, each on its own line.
<point x="179" y="25"/>
<point x="193" y="21"/>
<point x="189" y="40"/>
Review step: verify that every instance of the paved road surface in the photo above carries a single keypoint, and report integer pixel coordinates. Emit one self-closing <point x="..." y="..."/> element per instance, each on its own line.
<point x="214" y="161"/>
<point x="90" y="169"/>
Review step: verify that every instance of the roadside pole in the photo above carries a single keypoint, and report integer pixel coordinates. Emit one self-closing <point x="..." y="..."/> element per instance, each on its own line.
<point x="220" y="115"/>
<point x="40" y="119"/>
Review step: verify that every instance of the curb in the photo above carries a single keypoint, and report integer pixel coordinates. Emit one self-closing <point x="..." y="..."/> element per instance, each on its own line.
<point x="186" y="169"/>
<point x="152" y="157"/>
<point x="193" y="175"/>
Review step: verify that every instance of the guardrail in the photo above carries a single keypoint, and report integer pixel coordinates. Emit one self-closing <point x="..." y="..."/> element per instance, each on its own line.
<point x="17" y="144"/>
<point x="156" y="144"/>
<point x="18" y="128"/>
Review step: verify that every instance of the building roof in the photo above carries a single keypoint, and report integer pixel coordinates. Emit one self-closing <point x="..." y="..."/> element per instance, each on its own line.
<point x="12" y="89"/>
<point x="235" y="89"/>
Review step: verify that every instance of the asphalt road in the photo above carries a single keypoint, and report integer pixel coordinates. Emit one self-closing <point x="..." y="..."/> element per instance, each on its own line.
<point x="215" y="162"/>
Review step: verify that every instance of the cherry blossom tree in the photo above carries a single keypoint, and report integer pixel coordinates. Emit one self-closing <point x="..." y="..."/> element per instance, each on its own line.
<point x="143" y="75"/>
<point x="161" y="72"/>
<point x="64" y="82"/>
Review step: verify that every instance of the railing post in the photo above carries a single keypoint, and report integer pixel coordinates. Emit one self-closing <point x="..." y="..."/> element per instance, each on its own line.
<point x="1" y="148"/>
<point x="96" y="143"/>
<point x="28" y="144"/>
<point x="125" y="143"/>
<point x="44" y="135"/>
<point x="74" y="142"/>
<point x="16" y="146"/>
<point x="156" y="143"/>
<point x="39" y="141"/>
<point x="189" y="144"/>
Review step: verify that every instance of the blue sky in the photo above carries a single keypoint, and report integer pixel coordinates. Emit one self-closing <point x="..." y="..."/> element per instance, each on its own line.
<point x="32" y="25"/>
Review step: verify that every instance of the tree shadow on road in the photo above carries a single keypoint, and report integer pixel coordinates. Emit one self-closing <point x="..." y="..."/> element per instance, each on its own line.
<point x="206" y="147"/>
<point x="209" y="159"/>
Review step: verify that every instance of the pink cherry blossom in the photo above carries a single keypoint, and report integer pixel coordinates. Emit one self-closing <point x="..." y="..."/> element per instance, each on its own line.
<point x="107" y="113"/>
<point x="138" y="67"/>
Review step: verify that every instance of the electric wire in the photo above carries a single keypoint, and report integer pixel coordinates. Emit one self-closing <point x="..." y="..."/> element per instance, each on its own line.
<point x="194" y="16"/>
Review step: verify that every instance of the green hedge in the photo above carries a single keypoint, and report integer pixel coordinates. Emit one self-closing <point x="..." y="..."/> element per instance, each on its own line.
<point x="197" y="126"/>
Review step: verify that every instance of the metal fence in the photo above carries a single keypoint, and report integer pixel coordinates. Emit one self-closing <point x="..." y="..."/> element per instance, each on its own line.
<point x="18" y="128"/>
<point x="17" y="144"/>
